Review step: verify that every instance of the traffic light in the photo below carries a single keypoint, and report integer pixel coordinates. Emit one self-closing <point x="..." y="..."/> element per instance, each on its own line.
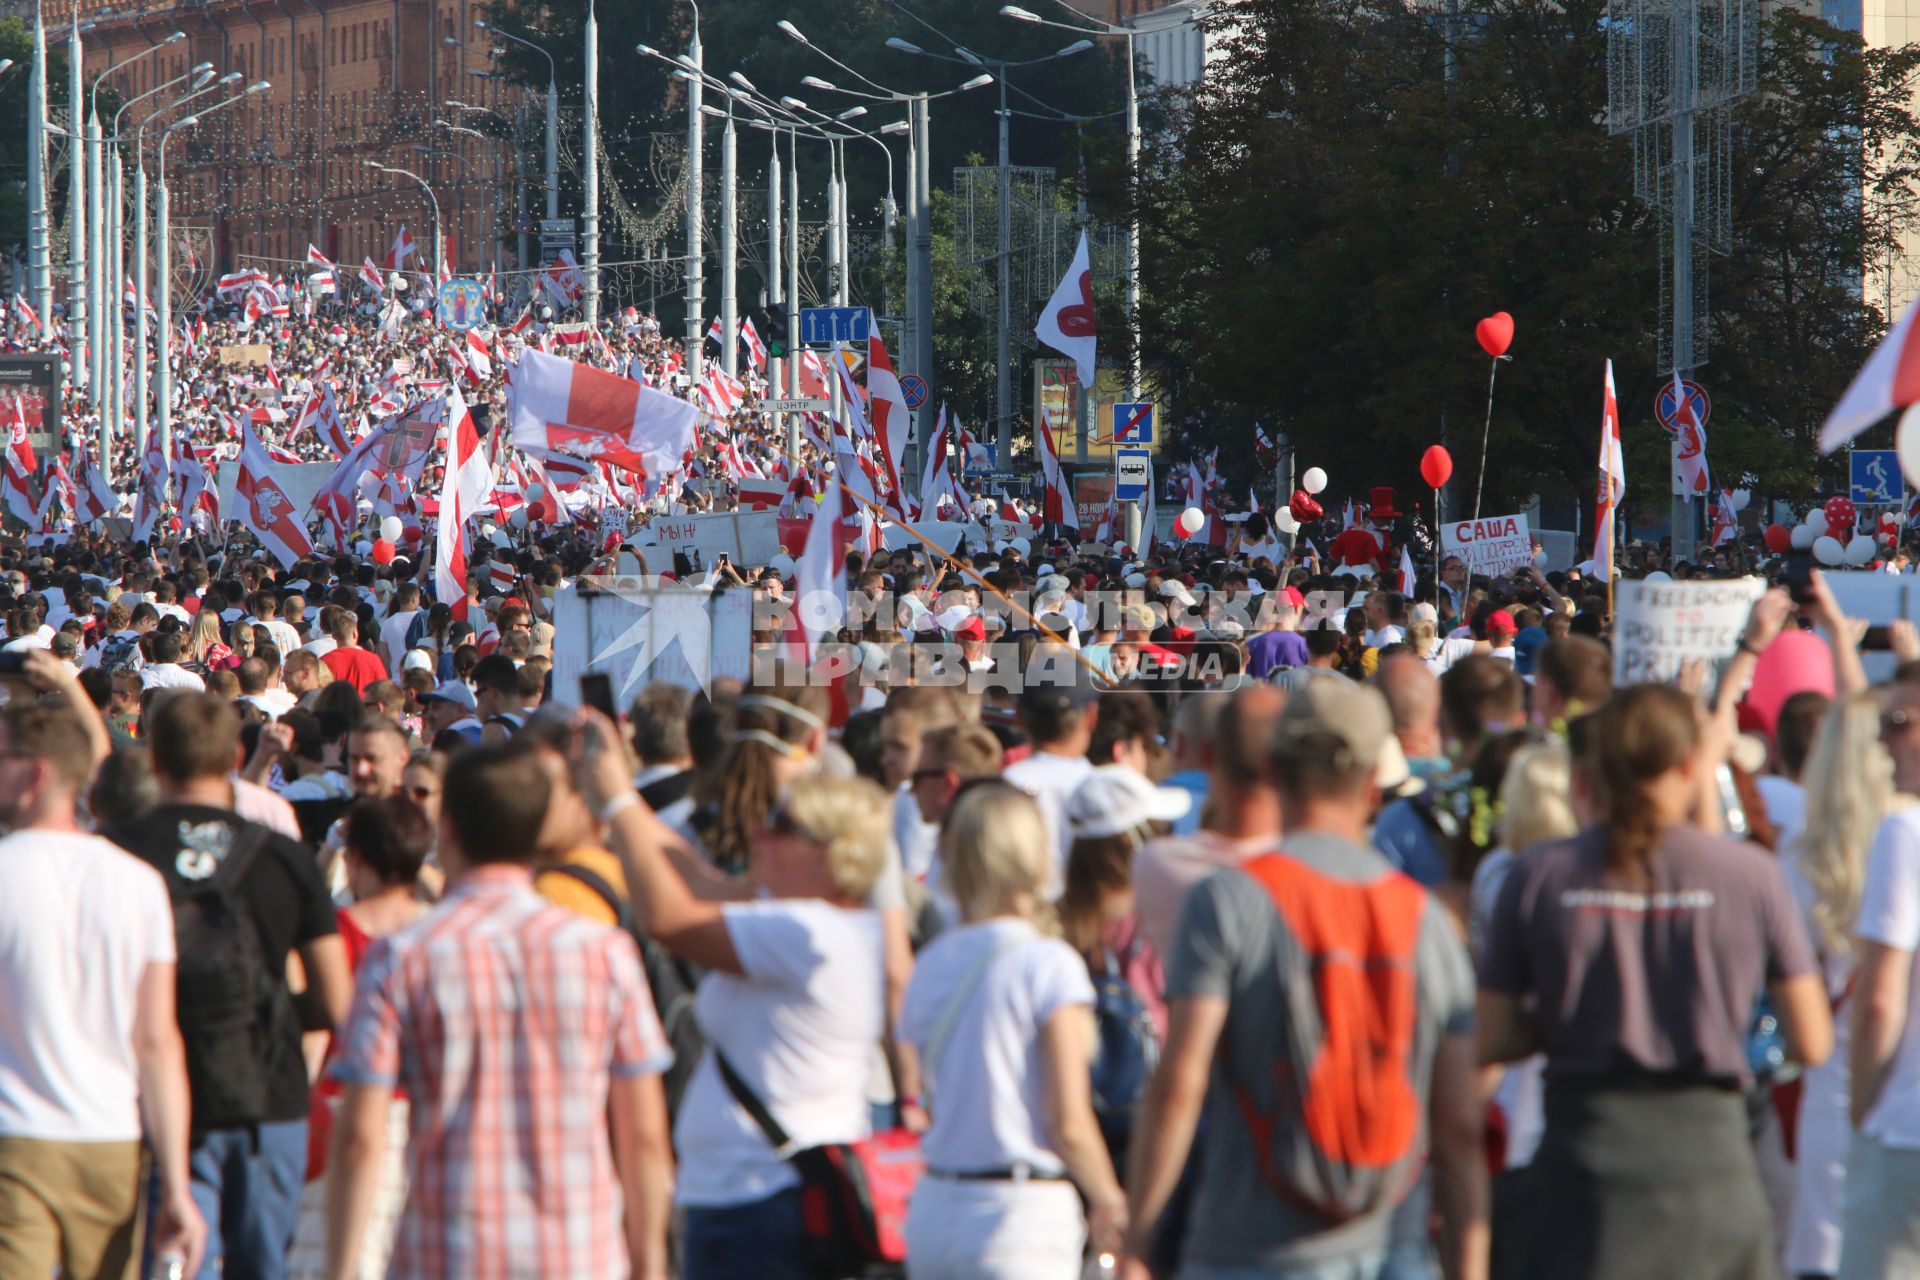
<point x="771" y="321"/>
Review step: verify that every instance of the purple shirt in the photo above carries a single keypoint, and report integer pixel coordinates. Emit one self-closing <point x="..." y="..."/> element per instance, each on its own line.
<point x="1272" y="651"/>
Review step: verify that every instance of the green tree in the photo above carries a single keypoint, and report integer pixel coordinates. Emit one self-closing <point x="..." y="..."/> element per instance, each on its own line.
<point x="1358" y="183"/>
<point x="16" y="42"/>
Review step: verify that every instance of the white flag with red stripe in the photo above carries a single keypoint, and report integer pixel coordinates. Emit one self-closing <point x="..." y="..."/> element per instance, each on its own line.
<point x="468" y="481"/>
<point x="402" y="249"/>
<point x="1067" y="324"/>
<point x="892" y="421"/>
<point x="1696" y="479"/>
<point x="18" y="492"/>
<point x="1059" y="508"/>
<point x="265" y="507"/>
<point x="1889" y="380"/>
<point x="19" y="448"/>
<point x="561" y="406"/>
<point x="315" y="258"/>
<point x="1613" y="480"/>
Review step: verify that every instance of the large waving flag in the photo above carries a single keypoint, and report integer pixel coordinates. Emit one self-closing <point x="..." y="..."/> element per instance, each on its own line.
<point x="1067" y="324"/>
<point x="265" y="507"/>
<point x="18" y="492"/>
<point x="339" y="498"/>
<point x="469" y="478"/>
<point x="1613" y="481"/>
<point x="1695" y="477"/>
<point x="892" y="421"/>
<point x="1058" y="508"/>
<point x="561" y="406"/>
<point x="402" y="249"/>
<point x="1889" y="380"/>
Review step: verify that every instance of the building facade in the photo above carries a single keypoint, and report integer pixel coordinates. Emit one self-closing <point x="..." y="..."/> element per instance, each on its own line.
<point x="354" y="83"/>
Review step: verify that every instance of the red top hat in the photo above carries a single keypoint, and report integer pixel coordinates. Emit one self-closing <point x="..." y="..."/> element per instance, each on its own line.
<point x="1382" y="506"/>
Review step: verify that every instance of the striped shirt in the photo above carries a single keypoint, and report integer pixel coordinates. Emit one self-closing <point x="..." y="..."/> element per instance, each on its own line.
<point x="504" y="1018"/>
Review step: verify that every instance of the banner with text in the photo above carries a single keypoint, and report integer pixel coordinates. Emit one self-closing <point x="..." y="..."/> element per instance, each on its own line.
<point x="1658" y="626"/>
<point x="1495" y="545"/>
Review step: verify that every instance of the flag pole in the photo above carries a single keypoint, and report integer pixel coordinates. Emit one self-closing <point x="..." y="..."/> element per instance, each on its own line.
<point x="1486" y="434"/>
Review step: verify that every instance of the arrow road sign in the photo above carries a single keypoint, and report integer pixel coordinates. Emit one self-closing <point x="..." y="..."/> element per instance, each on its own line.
<point x="1132" y="423"/>
<point x="824" y="326"/>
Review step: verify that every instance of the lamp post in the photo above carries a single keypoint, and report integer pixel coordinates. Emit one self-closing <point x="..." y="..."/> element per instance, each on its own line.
<point x="553" y="113"/>
<point x="729" y="244"/>
<point x="142" y="381"/>
<point x="164" y="398"/>
<point x="998" y="68"/>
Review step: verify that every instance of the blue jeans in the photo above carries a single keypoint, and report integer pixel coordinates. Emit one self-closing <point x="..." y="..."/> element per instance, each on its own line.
<point x="758" y="1241"/>
<point x="250" y="1198"/>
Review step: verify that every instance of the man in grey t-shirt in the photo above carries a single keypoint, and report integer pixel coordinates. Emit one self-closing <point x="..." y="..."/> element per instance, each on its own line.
<point x="1236" y="970"/>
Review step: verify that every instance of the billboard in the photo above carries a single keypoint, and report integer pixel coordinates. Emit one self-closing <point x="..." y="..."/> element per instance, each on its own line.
<point x="36" y="381"/>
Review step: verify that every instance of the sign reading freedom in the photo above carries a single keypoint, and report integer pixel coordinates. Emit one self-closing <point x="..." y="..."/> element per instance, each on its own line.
<point x="1658" y="626"/>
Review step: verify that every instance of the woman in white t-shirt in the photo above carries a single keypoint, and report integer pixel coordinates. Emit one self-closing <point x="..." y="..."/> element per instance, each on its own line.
<point x="1001" y="1014"/>
<point x="793" y="998"/>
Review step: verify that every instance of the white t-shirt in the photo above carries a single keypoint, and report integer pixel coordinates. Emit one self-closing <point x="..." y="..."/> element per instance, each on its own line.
<point x="1890" y="915"/>
<point x="987" y="1091"/>
<point x="393" y="637"/>
<point x="915" y="837"/>
<point x="1384" y="636"/>
<point x="80" y="920"/>
<point x="169" y="675"/>
<point x="1786" y="802"/>
<point x="285" y="638"/>
<point x="1051" y="780"/>
<point x="799" y="1025"/>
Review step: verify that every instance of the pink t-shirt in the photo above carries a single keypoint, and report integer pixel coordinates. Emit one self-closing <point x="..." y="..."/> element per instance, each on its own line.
<point x="1164" y="869"/>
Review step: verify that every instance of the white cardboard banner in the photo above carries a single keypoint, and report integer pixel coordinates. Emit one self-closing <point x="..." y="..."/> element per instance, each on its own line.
<point x="1658" y="626"/>
<point x="1493" y="545"/>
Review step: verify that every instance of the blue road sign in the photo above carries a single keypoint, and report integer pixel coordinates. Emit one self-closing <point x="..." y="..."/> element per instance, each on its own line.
<point x="982" y="459"/>
<point x="913" y="388"/>
<point x="824" y="326"/>
<point x="1132" y="424"/>
<point x="1875" y="478"/>
<point x="1132" y="473"/>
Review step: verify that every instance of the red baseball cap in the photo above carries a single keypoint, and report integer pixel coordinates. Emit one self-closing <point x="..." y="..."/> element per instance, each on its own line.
<point x="1292" y="596"/>
<point x="972" y="629"/>
<point x="1501" y="621"/>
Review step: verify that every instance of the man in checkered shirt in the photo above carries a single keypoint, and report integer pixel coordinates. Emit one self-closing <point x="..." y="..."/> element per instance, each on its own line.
<point x="526" y="1040"/>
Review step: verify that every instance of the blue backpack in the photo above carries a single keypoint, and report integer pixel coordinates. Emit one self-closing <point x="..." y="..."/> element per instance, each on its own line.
<point x="1126" y="1049"/>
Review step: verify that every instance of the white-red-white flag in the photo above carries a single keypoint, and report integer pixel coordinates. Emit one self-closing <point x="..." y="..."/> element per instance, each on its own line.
<point x="24" y="315"/>
<point x="321" y="415"/>
<point x="371" y="277"/>
<point x="1889" y="380"/>
<point x="756" y="349"/>
<point x="18" y="492"/>
<point x="265" y="507"/>
<point x="1058" y="507"/>
<point x="1407" y="577"/>
<point x="1067" y="324"/>
<point x="561" y="406"/>
<point x="892" y="420"/>
<point x="468" y="481"/>
<point x="1696" y="479"/>
<point x="1613" y="481"/>
<point x="479" y="363"/>
<point x="402" y="249"/>
<point x="19" y="448"/>
<point x="315" y="258"/>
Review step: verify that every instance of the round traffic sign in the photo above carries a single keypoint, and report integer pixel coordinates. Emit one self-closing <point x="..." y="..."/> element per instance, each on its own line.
<point x="1666" y="406"/>
<point x="914" y="388"/>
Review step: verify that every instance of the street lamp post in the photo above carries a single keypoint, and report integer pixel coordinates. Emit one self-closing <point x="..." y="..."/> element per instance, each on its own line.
<point x="729" y="245"/>
<point x="696" y="197"/>
<point x="998" y="68"/>
<point x="553" y="114"/>
<point x="164" y="398"/>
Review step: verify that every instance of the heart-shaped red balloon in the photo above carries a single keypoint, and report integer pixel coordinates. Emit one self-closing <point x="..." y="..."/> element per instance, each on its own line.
<point x="1436" y="466"/>
<point x="1303" y="507"/>
<point x="1495" y="334"/>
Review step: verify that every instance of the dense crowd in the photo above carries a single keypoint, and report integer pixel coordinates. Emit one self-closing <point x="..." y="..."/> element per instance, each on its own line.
<point x="1217" y="908"/>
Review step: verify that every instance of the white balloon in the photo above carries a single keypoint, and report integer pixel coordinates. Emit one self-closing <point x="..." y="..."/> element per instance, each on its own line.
<point x="1828" y="551"/>
<point x="1816" y="519"/>
<point x="518" y="519"/>
<point x="1861" y="550"/>
<point x="1659" y="575"/>
<point x="1899" y="518"/>
<point x="781" y="564"/>
<point x="391" y="528"/>
<point x="1802" y="537"/>
<point x="1314" y="480"/>
<point x="1021" y="545"/>
<point x="1741" y="497"/>
<point x="536" y="491"/>
<point x="1906" y="442"/>
<point x="1190" y="521"/>
<point x="1283" y="521"/>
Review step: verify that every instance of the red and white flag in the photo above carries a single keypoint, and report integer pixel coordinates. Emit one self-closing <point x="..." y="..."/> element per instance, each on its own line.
<point x="1407" y="578"/>
<point x="152" y="494"/>
<point x="190" y="486"/>
<point x="236" y="283"/>
<point x="1726" y="520"/>
<point x="1058" y="507"/>
<point x="338" y="499"/>
<point x="1889" y="380"/>
<point x="1067" y="324"/>
<point x="18" y="493"/>
<point x="1690" y="455"/>
<point x="265" y="507"/>
<point x="95" y="499"/>
<point x="756" y="349"/>
<point x="819" y="580"/>
<point x="561" y="406"/>
<point x="479" y="363"/>
<point x="1613" y="481"/>
<point x="19" y="448"/>
<point x="315" y="258"/>
<point x="24" y="315"/>
<point x="892" y="420"/>
<point x="468" y="481"/>
<point x="401" y="251"/>
<point x="321" y="415"/>
<point x="371" y="277"/>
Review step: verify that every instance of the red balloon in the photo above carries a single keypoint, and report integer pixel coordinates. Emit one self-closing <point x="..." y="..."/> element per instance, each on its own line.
<point x="1436" y="466"/>
<point x="1840" y="513"/>
<point x="1495" y="334"/>
<point x="1304" y="508"/>
<point x="1779" y="538"/>
<point x="545" y="510"/>
<point x="383" y="552"/>
<point x="412" y="535"/>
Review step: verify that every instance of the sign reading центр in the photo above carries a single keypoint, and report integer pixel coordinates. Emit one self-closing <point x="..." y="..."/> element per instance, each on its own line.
<point x="1494" y="545"/>
<point x="1657" y="626"/>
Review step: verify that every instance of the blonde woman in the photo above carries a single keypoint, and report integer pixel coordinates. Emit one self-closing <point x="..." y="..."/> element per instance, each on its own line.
<point x="1001" y="1014"/>
<point x="206" y="651"/>
<point x="1849" y="782"/>
<point x="792" y="1003"/>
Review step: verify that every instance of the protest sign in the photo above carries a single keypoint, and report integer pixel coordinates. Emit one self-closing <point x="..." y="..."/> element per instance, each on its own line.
<point x="1660" y="625"/>
<point x="1495" y="545"/>
<point x="748" y="537"/>
<point x="246" y="353"/>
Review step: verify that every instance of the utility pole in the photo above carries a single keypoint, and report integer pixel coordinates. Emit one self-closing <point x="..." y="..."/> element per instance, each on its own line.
<point x="39" y="239"/>
<point x="78" y="337"/>
<point x="590" y="170"/>
<point x="1003" y="351"/>
<point x="774" y="367"/>
<point x="729" y="231"/>
<point x="696" y="135"/>
<point x="922" y="251"/>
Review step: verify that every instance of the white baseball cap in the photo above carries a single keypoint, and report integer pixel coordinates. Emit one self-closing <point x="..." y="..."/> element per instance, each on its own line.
<point x="1114" y="799"/>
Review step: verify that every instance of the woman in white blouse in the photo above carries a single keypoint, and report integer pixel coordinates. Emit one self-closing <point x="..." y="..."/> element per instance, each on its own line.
<point x="1001" y="1014"/>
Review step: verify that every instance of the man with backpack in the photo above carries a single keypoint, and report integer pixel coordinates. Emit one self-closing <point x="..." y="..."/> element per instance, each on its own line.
<point x="1317" y="1120"/>
<point x="243" y="899"/>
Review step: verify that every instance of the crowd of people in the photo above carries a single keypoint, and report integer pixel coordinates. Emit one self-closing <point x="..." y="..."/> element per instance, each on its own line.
<point x="1215" y="908"/>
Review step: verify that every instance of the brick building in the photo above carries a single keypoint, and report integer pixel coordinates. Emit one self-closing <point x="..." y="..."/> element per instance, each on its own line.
<point x="353" y="81"/>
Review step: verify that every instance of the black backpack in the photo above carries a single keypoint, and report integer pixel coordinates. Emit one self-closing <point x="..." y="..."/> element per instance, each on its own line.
<point x="672" y="981"/>
<point x="119" y="653"/>
<point x="227" y="993"/>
